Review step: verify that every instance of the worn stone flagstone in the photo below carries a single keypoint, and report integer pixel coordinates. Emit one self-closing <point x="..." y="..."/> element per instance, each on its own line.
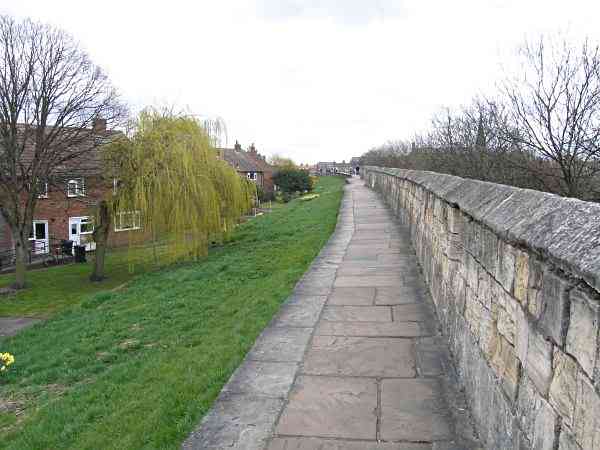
<point x="360" y="356"/>
<point x="353" y="360"/>
<point x="331" y="407"/>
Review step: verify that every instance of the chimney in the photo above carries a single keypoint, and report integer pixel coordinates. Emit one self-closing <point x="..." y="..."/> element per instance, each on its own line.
<point x="252" y="149"/>
<point x="237" y="146"/>
<point x="99" y="125"/>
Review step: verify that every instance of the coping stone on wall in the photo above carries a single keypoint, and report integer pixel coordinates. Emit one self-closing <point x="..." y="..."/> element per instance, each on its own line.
<point x="565" y="230"/>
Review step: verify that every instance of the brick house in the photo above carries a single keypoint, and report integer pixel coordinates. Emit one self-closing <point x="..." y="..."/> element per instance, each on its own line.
<point x="64" y="208"/>
<point x="250" y="164"/>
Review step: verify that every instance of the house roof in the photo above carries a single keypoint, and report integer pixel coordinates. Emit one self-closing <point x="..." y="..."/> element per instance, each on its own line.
<point x="83" y="156"/>
<point x="240" y="160"/>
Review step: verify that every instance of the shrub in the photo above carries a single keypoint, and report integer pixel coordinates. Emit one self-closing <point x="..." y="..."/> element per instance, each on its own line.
<point x="291" y="180"/>
<point x="264" y="196"/>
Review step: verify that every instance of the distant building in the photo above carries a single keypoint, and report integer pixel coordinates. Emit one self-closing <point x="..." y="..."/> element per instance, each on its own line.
<point x="250" y="164"/>
<point x="333" y="168"/>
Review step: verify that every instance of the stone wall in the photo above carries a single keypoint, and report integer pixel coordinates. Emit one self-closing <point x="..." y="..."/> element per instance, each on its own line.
<point x="515" y="276"/>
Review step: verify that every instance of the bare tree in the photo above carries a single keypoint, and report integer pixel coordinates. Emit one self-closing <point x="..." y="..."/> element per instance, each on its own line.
<point x="555" y="106"/>
<point x="51" y="95"/>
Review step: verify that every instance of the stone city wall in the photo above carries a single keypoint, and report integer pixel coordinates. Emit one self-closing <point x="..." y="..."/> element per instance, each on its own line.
<point x="515" y="276"/>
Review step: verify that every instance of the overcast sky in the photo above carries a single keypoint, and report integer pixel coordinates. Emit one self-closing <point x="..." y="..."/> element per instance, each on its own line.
<point x="309" y="79"/>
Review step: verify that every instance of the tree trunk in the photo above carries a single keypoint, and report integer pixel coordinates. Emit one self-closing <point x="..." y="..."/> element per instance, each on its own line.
<point x="21" y="258"/>
<point x="100" y="235"/>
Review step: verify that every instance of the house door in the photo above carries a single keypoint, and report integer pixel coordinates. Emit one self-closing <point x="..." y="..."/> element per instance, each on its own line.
<point x="39" y="237"/>
<point x="80" y="232"/>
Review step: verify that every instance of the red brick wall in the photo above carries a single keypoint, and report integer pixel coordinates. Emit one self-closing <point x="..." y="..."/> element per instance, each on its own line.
<point x="5" y="236"/>
<point x="268" y="181"/>
<point x="58" y="208"/>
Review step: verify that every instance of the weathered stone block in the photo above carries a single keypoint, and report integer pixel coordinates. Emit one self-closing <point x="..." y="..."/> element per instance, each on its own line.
<point x="544" y="436"/>
<point x="554" y="315"/>
<point x="563" y="389"/>
<point x="567" y="441"/>
<point x="489" y="257"/>
<point x="483" y="289"/>
<point x="507" y="326"/>
<point x="505" y="272"/>
<point x="536" y="417"/>
<point x="498" y="293"/>
<point x="506" y="365"/>
<point x="488" y="334"/>
<point x="587" y="414"/>
<point x="521" y="277"/>
<point x="473" y="313"/>
<point x="534" y="287"/>
<point x="522" y="335"/>
<point x="455" y="219"/>
<point x="539" y="361"/>
<point x="455" y="247"/>
<point x="582" y="336"/>
<point x="472" y="273"/>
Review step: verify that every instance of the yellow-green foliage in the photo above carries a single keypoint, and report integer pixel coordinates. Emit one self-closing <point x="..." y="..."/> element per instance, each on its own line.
<point x="309" y="197"/>
<point x="169" y="171"/>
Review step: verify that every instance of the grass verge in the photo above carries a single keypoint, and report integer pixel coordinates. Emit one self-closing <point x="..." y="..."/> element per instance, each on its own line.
<point x="138" y="368"/>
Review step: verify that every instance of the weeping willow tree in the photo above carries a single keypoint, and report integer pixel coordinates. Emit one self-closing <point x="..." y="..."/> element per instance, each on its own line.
<point x="168" y="175"/>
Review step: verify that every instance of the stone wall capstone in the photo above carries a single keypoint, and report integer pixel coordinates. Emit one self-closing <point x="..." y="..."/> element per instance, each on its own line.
<point x="515" y="277"/>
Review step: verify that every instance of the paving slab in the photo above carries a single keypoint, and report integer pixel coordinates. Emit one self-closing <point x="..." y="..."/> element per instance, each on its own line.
<point x="368" y="280"/>
<point x="269" y="379"/>
<point x="331" y="407"/>
<point x="399" y="295"/>
<point x="292" y="443"/>
<point x="357" y="313"/>
<point x="346" y="270"/>
<point x="362" y="296"/>
<point x="372" y="329"/>
<point x="285" y="344"/>
<point x="432" y="356"/>
<point x="412" y="312"/>
<point x="236" y="421"/>
<point x="360" y="356"/>
<point x="298" y="315"/>
<point x="414" y="410"/>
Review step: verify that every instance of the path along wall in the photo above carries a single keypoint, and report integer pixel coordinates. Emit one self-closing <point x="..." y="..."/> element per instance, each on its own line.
<point x="515" y="276"/>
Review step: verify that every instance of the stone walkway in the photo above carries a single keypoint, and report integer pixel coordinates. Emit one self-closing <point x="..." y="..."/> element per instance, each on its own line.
<point x="353" y="360"/>
<point x="9" y="326"/>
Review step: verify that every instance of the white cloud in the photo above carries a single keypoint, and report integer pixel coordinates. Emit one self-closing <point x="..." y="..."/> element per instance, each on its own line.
<point x="310" y="79"/>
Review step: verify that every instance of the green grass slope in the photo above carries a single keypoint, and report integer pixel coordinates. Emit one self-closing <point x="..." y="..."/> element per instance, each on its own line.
<point x="138" y="368"/>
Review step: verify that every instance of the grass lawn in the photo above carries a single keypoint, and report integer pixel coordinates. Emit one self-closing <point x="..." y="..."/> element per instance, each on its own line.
<point x="54" y="289"/>
<point x="139" y="367"/>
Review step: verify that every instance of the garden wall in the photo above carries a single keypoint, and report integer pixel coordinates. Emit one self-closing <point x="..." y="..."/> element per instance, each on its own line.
<point x="515" y="276"/>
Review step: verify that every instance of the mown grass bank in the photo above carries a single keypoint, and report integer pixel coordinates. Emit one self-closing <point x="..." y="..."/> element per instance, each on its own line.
<point x="138" y="368"/>
<point x="51" y="290"/>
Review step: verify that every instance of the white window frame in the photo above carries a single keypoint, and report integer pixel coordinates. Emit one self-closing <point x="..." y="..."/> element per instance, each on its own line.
<point x="86" y="219"/>
<point x="136" y="222"/>
<point x="35" y="247"/>
<point x="116" y="183"/>
<point x="79" y="187"/>
<point x="252" y="176"/>
<point x="43" y="194"/>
